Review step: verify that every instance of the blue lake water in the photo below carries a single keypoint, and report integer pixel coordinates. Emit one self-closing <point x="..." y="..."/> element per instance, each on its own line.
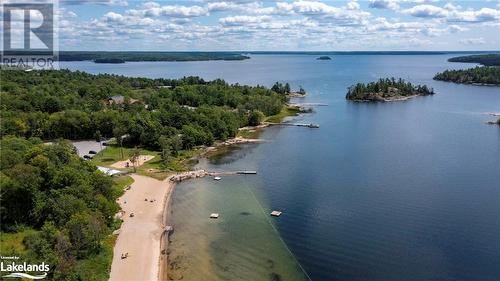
<point x="390" y="191"/>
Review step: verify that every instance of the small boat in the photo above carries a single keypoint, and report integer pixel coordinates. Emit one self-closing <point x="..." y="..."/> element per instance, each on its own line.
<point x="217" y="178"/>
<point x="276" y="213"/>
<point x="214" y="215"/>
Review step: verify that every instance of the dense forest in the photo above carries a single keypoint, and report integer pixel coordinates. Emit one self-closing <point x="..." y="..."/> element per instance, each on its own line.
<point x="98" y="56"/>
<point x="57" y="206"/>
<point x="486" y="59"/>
<point x="76" y="105"/>
<point x="386" y="89"/>
<point x="478" y="75"/>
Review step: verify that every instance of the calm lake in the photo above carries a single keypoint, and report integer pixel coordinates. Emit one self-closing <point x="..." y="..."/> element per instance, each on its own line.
<point x="385" y="192"/>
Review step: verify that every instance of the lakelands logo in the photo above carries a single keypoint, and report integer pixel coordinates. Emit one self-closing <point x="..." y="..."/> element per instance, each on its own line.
<point x="29" y="34"/>
<point x="18" y="270"/>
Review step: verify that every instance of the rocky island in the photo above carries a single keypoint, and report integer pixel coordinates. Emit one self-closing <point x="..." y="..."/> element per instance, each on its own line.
<point x="388" y="89"/>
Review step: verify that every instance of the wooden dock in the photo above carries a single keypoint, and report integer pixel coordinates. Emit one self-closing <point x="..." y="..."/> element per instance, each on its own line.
<point x="246" y="172"/>
<point x="202" y="173"/>
<point x="311" y="125"/>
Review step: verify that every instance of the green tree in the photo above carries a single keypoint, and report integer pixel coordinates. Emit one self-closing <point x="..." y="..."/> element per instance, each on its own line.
<point x="255" y="118"/>
<point x="134" y="157"/>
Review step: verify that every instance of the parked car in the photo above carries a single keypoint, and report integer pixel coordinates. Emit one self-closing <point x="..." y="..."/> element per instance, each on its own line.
<point x="88" y="157"/>
<point x="92" y="152"/>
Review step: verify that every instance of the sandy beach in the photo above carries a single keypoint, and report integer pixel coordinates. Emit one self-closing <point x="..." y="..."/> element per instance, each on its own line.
<point x="140" y="161"/>
<point x="140" y="235"/>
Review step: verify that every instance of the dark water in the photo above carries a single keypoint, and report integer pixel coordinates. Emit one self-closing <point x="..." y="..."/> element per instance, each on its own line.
<point x="394" y="191"/>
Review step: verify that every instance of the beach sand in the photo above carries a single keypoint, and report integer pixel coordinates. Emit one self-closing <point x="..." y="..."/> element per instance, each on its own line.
<point x="140" y="235"/>
<point x="123" y="164"/>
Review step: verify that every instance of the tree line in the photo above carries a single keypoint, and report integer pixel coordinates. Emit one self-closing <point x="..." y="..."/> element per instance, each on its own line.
<point x="73" y="105"/>
<point x="486" y="59"/>
<point x="477" y="75"/>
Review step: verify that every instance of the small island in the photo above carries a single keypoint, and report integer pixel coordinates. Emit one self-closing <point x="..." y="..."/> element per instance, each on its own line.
<point x="480" y="75"/>
<point x="324" y="58"/>
<point x="388" y="89"/>
<point x="487" y="59"/>
<point x="108" y="60"/>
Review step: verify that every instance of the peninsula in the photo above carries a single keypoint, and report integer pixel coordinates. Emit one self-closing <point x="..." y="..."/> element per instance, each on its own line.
<point x="486" y="59"/>
<point x="480" y="75"/>
<point x="112" y="57"/>
<point x="388" y="89"/>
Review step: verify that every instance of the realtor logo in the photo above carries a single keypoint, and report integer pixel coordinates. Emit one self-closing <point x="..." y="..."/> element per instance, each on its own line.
<point x="22" y="270"/>
<point x="29" y="39"/>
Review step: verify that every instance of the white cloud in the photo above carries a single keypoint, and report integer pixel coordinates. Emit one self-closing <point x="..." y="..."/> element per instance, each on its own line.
<point x="242" y="20"/>
<point x="473" y="41"/>
<point x="453" y="13"/>
<point x="294" y="24"/>
<point x="232" y="6"/>
<point x="384" y="4"/>
<point x="113" y="17"/>
<point x="427" y="11"/>
<point x="482" y="15"/>
<point x="456" y="28"/>
<point x="152" y="9"/>
<point x="451" y="7"/>
<point x="95" y="2"/>
<point x="353" y="5"/>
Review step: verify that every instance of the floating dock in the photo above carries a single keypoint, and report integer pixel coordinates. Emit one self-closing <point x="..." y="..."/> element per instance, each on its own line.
<point x="246" y="172"/>
<point x="276" y="213"/>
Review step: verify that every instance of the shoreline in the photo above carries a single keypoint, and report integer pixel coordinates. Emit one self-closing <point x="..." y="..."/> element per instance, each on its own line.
<point x="381" y="99"/>
<point x="141" y="230"/>
<point x="160" y="219"/>
<point x="147" y="225"/>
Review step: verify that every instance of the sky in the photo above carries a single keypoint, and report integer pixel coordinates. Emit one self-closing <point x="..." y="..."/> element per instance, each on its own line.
<point x="294" y="25"/>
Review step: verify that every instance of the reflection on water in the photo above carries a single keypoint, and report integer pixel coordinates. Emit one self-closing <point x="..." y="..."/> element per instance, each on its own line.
<point x="242" y="244"/>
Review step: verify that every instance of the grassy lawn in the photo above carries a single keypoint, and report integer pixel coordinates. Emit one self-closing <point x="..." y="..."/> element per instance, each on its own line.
<point x="120" y="182"/>
<point x="151" y="168"/>
<point x="12" y="243"/>
<point x="285" y="112"/>
<point x="113" y="153"/>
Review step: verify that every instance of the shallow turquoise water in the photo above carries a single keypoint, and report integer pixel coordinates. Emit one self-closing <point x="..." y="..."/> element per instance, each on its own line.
<point x="242" y="244"/>
<point x="383" y="192"/>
